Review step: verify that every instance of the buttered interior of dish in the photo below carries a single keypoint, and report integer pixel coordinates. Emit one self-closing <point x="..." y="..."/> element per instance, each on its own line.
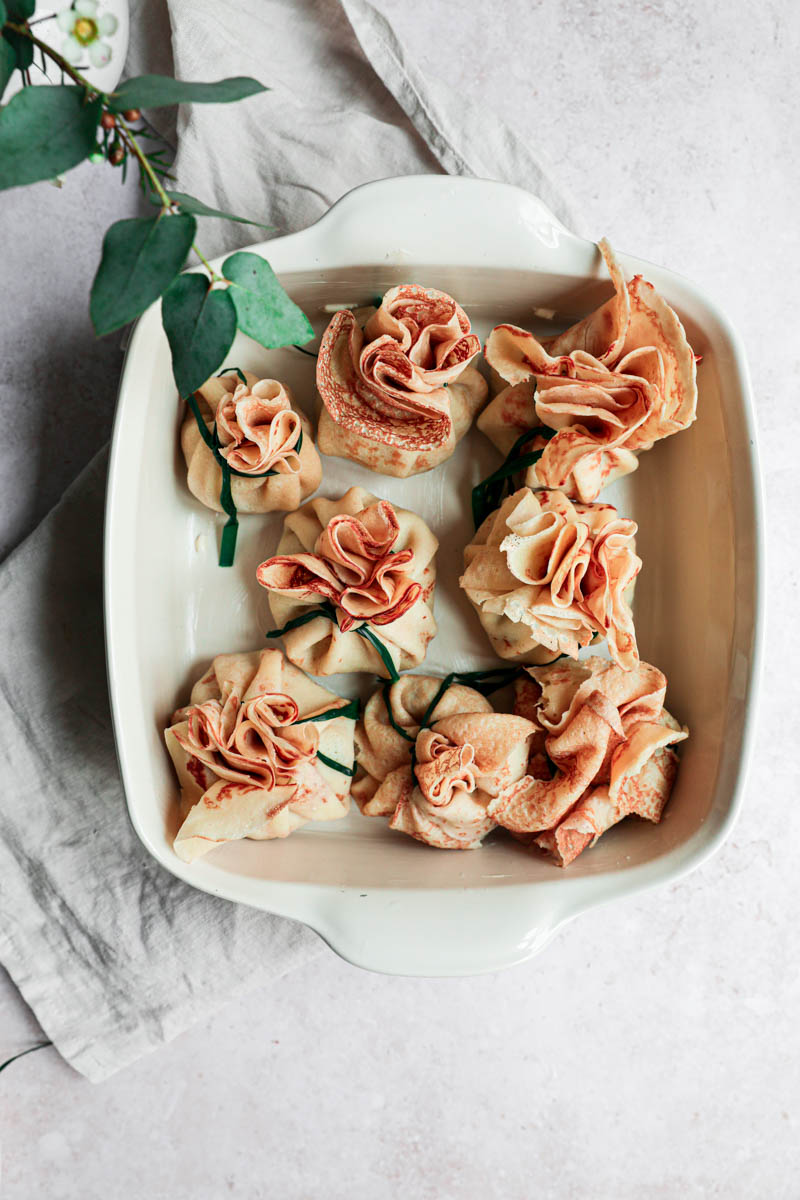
<point x="563" y="731"/>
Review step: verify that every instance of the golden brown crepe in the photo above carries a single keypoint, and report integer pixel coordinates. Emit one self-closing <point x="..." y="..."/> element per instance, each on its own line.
<point x="398" y="394"/>
<point x="608" y="736"/>
<point x="435" y="782"/>
<point x="612" y="385"/>
<point x="249" y="760"/>
<point x="372" y="566"/>
<point x="259" y="430"/>
<point x="547" y="576"/>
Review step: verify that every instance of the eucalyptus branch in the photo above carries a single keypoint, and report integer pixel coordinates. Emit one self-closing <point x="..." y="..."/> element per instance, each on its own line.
<point x="57" y="58"/>
<point x="126" y="133"/>
<point x="153" y="134"/>
<point x="127" y="136"/>
<point x="46" y="131"/>
<point x="215" y="278"/>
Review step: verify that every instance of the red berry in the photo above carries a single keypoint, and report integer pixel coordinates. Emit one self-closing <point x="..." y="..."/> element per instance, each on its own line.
<point x="116" y="154"/>
<point x="108" y="120"/>
<point x="131" y="114"/>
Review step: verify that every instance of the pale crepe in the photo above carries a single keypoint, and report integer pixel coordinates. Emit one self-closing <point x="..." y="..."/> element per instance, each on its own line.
<point x="398" y="394"/>
<point x="258" y="427"/>
<point x="612" y="385"/>
<point x="435" y="782"/>
<point x="547" y="576"/>
<point x="246" y="759"/>
<point x="384" y="744"/>
<point x="374" y="564"/>
<point x="608" y="736"/>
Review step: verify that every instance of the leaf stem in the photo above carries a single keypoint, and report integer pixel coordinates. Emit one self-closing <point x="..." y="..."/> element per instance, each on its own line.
<point x="206" y="263"/>
<point x="125" y="130"/>
<point x="149" y="172"/>
<point x="144" y="163"/>
<point x="57" y="58"/>
<point x="22" y="1053"/>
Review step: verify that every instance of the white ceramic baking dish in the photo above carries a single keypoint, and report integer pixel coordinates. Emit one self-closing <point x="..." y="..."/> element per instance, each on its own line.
<point x="378" y="898"/>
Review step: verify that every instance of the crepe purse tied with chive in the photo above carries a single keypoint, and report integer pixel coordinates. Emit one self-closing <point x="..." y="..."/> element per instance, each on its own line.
<point x="260" y="750"/>
<point x="351" y="586"/>
<point x="265" y="440"/>
<point x="608" y="738"/>
<point x="611" y="386"/>
<point x="548" y="576"/>
<point x="433" y="768"/>
<point x="399" y="393"/>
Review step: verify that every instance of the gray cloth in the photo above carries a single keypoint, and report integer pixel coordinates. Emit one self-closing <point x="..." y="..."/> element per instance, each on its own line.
<point x="329" y="121"/>
<point x="114" y="954"/>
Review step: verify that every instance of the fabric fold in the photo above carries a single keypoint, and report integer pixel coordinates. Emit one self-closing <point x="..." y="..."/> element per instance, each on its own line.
<point x="113" y="953"/>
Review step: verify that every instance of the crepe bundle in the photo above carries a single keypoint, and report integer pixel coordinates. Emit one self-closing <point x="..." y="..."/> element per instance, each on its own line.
<point x="398" y="394"/>
<point x="435" y="780"/>
<point x="352" y="586"/>
<point x="612" y="385"/>
<point x="261" y="434"/>
<point x="254" y="754"/>
<point x="547" y="576"/>
<point x="608" y="736"/>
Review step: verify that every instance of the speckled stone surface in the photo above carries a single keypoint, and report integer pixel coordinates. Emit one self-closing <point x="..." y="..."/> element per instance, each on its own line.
<point x="653" y="1049"/>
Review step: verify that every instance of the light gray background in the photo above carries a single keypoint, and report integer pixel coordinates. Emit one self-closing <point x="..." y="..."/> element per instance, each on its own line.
<point x="653" y="1049"/>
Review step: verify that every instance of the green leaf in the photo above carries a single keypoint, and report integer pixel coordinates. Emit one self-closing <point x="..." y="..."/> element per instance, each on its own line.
<point x="3" y="14"/>
<point x="350" y="710"/>
<point x="365" y="632"/>
<point x="488" y="494"/>
<point x="22" y="47"/>
<point x="337" y="766"/>
<point x="20" y="10"/>
<point x="264" y="310"/>
<point x="325" y="609"/>
<point x="156" y="91"/>
<point x="200" y="324"/>
<point x="190" y="205"/>
<point x="8" y="62"/>
<point x="44" y="131"/>
<point x="141" y="257"/>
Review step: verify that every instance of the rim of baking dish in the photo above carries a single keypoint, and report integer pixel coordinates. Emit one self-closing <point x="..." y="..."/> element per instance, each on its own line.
<point x="507" y="925"/>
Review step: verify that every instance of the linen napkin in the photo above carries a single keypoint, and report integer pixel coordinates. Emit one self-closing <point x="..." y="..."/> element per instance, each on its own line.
<point x="114" y="954"/>
<point x="329" y="121"/>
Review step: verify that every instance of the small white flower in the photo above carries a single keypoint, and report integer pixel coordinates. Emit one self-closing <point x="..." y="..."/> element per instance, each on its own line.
<point x="72" y="50"/>
<point x="99" y="54"/>
<point x="84" y="29"/>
